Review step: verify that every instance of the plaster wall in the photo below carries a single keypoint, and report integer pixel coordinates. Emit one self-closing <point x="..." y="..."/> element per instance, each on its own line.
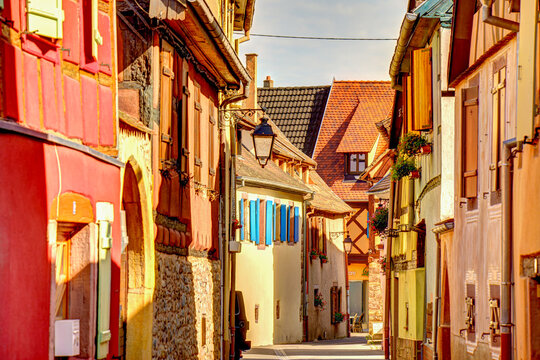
<point x="323" y="276"/>
<point x="475" y="253"/>
<point x="526" y="243"/>
<point x="266" y="274"/>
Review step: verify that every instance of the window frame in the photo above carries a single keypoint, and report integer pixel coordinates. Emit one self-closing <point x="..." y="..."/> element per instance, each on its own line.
<point x="358" y="161"/>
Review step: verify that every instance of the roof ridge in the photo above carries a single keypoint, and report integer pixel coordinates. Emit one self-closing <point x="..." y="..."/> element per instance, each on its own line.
<point x="364" y="81"/>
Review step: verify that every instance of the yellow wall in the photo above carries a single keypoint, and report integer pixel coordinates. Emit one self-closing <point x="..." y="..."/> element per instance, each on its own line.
<point x="358" y="272"/>
<point x="411" y="294"/>
<point x="265" y="276"/>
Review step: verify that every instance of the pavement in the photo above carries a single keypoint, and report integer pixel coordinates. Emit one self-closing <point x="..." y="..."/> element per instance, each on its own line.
<point x="355" y="347"/>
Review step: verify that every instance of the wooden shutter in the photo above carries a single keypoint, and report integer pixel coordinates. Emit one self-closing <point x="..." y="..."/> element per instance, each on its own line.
<point x="269" y="221"/>
<point x="104" y="289"/>
<point x="252" y="220"/>
<point x="257" y="221"/>
<point x="45" y="17"/>
<point x="324" y="236"/>
<point x="183" y="113"/>
<point x="274" y="233"/>
<point x="197" y="132"/>
<point x="469" y="136"/>
<point x="167" y="75"/>
<point x="242" y="229"/>
<point x="262" y="222"/>
<point x="333" y="303"/>
<point x="498" y="117"/>
<point x="408" y="106"/>
<point x="246" y="218"/>
<point x="421" y="78"/>
<point x="278" y="222"/>
<point x="296" y="224"/>
<point x="283" y="222"/>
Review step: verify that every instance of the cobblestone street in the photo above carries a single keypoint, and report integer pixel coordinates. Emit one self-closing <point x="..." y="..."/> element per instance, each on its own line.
<point x="355" y="347"/>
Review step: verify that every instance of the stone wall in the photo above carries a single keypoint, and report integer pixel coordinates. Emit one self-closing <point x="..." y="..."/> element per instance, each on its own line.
<point x="376" y="300"/>
<point x="186" y="307"/>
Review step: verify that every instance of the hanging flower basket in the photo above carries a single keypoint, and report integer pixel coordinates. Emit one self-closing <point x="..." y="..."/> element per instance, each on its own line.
<point x="338" y="317"/>
<point x="379" y="220"/>
<point x="324" y="258"/>
<point x="403" y="167"/>
<point x="319" y="301"/>
<point x="411" y="144"/>
<point x="314" y="254"/>
<point x="425" y="149"/>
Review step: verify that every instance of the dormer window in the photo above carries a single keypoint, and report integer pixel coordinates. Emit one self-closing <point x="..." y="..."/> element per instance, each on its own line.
<point x="356" y="163"/>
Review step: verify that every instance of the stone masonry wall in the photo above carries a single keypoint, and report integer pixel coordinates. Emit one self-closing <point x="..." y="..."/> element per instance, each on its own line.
<point x="186" y="308"/>
<point x="376" y="301"/>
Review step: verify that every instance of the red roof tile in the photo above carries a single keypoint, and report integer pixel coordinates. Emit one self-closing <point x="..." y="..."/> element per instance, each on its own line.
<point x="365" y="102"/>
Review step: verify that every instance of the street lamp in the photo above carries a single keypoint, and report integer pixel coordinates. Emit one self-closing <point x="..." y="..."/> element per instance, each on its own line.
<point x="263" y="141"/>
<point x="347" y="244"/>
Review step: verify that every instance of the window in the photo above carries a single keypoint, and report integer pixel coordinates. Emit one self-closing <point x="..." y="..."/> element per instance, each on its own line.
<point x="469" y="148"/>
<point x="335" y="304"/>
<point x="356" y="163"/>
<point x="197" y="132"/>
<point x="45" y="18"/>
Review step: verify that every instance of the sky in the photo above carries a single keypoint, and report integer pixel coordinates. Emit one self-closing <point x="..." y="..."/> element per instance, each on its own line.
<point x="293" y="62"/>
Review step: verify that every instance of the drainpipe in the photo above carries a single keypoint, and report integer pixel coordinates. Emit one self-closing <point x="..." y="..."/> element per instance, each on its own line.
<point x="437" y="299"/>
<point x="506" y="249"/>
<point x="388" y="272"/>
<point x="488" y="18"/>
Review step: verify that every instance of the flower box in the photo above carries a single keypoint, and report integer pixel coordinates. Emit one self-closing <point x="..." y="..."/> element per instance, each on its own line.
<point x="425" y="149"/>
<point x="415" y="174"/>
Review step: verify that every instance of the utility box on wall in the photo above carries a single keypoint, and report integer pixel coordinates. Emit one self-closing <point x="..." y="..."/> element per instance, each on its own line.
<point x="66" y="337"/>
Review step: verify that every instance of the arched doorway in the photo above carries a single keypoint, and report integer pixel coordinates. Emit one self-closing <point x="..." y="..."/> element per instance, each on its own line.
<point x="134" y="313"/>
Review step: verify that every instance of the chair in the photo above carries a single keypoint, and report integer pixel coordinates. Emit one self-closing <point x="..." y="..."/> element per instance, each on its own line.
<point x="357" y="323"/>
<point x="352" y="321"/>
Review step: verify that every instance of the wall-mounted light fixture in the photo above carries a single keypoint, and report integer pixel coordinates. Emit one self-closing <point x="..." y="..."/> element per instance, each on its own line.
<point x="263" y="141"/>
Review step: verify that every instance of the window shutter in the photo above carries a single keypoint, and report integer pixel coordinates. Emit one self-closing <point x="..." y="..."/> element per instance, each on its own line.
<point x="290" y="227"/>
<point x="274" y="227"/>
<point x="269" y="221"/>
<point x="183" y="113"/>
<point x="278" y="222"/>
<point x="252" y="222"/>
<point x="167" y="75"/>
<point x="45" y="17"/>
<point x="246" y="218"/>
<point x="262" y="222"/>
<point x="469" y="136"/>
<point x="242" y="219"/>
<point x="284" y="223"/>
<point x="296" y="224"/>
<point x="104" y="289"/>
<point x="257" y="221"/>
<point x="499" y="100"/>
<point x="367" y="225"/>
<point x="333" y="303"/>
<point x="96" y="36"/>
<point x="325" y="238"/>
<point x="421" y="78"/>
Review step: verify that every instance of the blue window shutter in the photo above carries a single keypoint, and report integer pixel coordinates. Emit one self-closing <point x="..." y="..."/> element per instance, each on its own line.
<point x="274" y="235"/>
<point x="296" y="223"/>
<point x="284" y="222"/>
<point x="368" y="225"/>
<point x="242" y="229"/>
<point x="269" y="225"/>
<point x="257" y="221"/>
<point x="289" y="224"/>
<point x="252" y="215"/>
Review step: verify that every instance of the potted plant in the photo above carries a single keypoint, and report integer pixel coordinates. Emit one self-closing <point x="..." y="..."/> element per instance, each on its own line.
<point x="323" y="258"/>
<point x="314" y="254"/>
<point x="319" y="301"/>
<point x="338" y="317"/>
<point x="382" y="262"/>
<point x="403" y="167"/>
<point x="412" y="144"/>
<point x="415" y="174"/>
<point x="379" y="219"/>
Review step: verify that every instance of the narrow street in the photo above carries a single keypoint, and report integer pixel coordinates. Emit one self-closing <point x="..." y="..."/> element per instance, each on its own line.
<point x="355" y="347"/>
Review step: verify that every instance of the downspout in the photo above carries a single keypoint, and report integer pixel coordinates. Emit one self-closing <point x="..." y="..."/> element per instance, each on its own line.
<point x="506" y="250"/>
<point x="488" y="18"/>
<point x="388" y="272"/>
<point x="437" y="298"/>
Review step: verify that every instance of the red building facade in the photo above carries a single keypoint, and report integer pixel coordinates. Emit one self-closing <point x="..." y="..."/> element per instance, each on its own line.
<point x="60" y="179"/>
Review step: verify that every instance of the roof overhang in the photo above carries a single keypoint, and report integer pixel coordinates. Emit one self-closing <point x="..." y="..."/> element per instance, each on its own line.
<point x="243" y="15"/>
<point x="460" y="40"/>
<point x="210" y="47"/>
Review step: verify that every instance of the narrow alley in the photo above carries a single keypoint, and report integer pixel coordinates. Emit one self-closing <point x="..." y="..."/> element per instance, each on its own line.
<point x="354" y="348"/>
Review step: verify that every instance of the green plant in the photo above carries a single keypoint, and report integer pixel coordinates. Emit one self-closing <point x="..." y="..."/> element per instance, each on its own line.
<point x="403" y="167"/>
<point x="319" y="301"/>
<point x="323" y="257"/>
<point x="314" y="253"/>
<point x="379" y="219"/>
<point x="411" y="143"/>
<point x="338" y="317"/>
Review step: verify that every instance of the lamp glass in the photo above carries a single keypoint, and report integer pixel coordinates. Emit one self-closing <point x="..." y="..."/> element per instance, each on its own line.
<point x="263" y="141"/>
<point x="347" y="244"/>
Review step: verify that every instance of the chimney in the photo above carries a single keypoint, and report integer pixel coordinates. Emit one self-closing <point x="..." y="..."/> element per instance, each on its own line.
<point x="251" y="66"/>
<point x="268" y="83"/>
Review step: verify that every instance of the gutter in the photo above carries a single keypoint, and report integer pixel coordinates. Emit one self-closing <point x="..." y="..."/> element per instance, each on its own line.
<point x="488" y="18"/>
<point x="222" y="42"/>
<point x="246" y="180"/>
<point x="506" y="250"/>
<point x="407" y="28"/>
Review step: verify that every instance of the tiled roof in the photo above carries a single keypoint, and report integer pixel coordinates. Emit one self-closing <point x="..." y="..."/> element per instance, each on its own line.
<point x="343" y="101"/>
<point x="324" y="198"/>
<point x="297" y="111"/>
<point x="382" y="186"/>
